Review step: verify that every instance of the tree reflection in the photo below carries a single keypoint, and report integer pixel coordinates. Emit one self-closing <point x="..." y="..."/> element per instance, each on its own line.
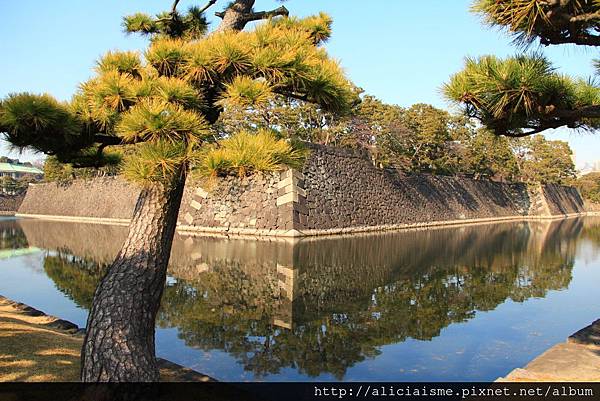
<point x="321" y="306"/>
<point x="12" y="236"/>
<point x="74" y="276"/>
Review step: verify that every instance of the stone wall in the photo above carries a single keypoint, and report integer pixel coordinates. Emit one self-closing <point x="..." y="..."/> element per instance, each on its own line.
<point x="563" y="200"/>
<point x="338" y="191"/>
<point x="235" y="205"/>
<point x="99" y="198"/>
<point x="343" y="189"/>
<point x="9" y="204"/>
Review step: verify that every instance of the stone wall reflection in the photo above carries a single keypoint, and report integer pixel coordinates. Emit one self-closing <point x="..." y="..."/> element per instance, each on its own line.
<point x="322" y="305"/>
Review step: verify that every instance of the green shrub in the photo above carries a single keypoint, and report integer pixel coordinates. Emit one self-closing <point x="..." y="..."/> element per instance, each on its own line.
<point x="246" y="152"/>
<point x="589" y="186"/>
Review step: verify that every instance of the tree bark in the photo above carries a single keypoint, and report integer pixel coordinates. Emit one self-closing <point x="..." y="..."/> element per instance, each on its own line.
<point x="240" y="13"/>
<point x="119" y="341"/>
<point x="234" y="18"/>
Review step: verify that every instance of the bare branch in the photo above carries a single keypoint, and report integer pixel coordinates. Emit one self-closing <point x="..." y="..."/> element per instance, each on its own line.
<point x="174" y="7"/>
<point x="583" y="112"/>
<point x="582" y="40"/>
<point x="207" y="6"/>
<point x="291" y="94"/>
<point x="585" y="17"/>
<point x="280" y="11"/>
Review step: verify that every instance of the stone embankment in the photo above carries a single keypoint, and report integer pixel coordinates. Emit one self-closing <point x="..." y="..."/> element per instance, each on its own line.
<point x="9" y="204"/>
<point x="338" y="191"/>
<point x="103" y="200"/>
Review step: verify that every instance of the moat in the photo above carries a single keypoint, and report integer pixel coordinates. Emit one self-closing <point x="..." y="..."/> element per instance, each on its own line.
<point x="463" y="303"/>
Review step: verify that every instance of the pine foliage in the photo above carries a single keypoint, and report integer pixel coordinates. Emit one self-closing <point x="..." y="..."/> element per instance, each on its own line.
<point x="248" y="152"/>
<point x="164" y="101"/>
<point x="189" y="26"/>
<point x="551" y="22"/>
<point x="523" y="92"/>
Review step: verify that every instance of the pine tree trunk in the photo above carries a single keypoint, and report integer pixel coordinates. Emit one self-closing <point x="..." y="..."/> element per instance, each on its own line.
<point x="119" y="342"/>
<point x="234" y="18"/>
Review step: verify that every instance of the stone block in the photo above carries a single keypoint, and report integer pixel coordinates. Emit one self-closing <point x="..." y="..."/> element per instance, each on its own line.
<point x="195" y="205"/>
<point x="287" y="198"/>
<point x="301" y="192"/>
<point x="302" y="209"/>
<point x="297" y="174"/>
<point x="304" y="220"/>
<point x="285" y="174"/>
<point x="188" y="218"/>
<point x="201" y="193"/>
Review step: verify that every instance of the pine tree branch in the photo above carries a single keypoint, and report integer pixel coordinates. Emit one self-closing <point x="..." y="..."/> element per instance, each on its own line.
<point x="582" y="40"/>
<point x="557" y="119"/>
<point x="239" y="13"/>
<point x="292" y="95"/>
<point x="174" y="7"/>
<point x="578" y="114"/>
<point x="256" y="16"/>
<point x="585" y="17"/>
<point x="236" y="10"/>
<point x="207" y="6"/>
<point x="107" y="140"/>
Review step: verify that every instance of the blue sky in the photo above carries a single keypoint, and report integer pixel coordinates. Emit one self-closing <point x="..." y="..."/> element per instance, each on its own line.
<point x="398" y="50"/>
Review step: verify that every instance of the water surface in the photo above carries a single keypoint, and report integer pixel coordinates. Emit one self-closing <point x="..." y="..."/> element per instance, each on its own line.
<point x="466" y="303"/>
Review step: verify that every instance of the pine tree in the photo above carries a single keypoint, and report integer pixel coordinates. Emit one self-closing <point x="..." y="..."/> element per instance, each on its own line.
<point x="160" y="107"/>
<point x="524" y="95"/>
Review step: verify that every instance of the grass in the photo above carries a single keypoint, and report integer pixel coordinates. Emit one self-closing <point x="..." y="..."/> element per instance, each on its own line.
<point x="30" y="351"/>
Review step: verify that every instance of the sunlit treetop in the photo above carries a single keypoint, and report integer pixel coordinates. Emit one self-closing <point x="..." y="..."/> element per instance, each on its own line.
<point x="551" y="22"/>
<point x="171" y="94"/>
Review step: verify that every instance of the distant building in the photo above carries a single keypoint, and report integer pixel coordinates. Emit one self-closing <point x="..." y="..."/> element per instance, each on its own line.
<point x="18" y="171"/>
<point x="15" y="176"/>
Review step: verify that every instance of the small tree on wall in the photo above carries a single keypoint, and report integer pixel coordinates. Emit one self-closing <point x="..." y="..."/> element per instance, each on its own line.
<point x="161" y="107"/>
<point x="524" y="95"/>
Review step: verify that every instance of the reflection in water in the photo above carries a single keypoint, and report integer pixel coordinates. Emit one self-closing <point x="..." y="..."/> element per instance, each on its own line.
<point x="322" y="305"/>
<point x="13" y="241"/>
<point x="11" y="235"/>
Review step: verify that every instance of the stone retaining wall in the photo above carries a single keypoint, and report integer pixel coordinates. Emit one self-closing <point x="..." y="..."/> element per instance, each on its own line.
<point x="9" y="204"/>
<point x="338" y="191"/>
<point x="343" y="189"/>
<point x="99" y="198"/>
<point x="235" y="204"/>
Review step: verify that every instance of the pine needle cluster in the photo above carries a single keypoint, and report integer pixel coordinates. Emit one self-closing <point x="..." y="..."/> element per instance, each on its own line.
<point x="508" y="95"/>
<point x="163" y="102"/>
<point x="189" y="25"/>
<point x="551" y="22"/>
<point x="249" y="152"/>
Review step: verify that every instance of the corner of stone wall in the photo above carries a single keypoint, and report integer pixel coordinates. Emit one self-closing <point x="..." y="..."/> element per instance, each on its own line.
<point x="291" y="202"/>
<point x="198" y="194"/>
<point x="538" y="205"/>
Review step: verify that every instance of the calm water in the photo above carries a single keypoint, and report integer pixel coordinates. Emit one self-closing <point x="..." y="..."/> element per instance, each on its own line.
<point x="468" y="303"/>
